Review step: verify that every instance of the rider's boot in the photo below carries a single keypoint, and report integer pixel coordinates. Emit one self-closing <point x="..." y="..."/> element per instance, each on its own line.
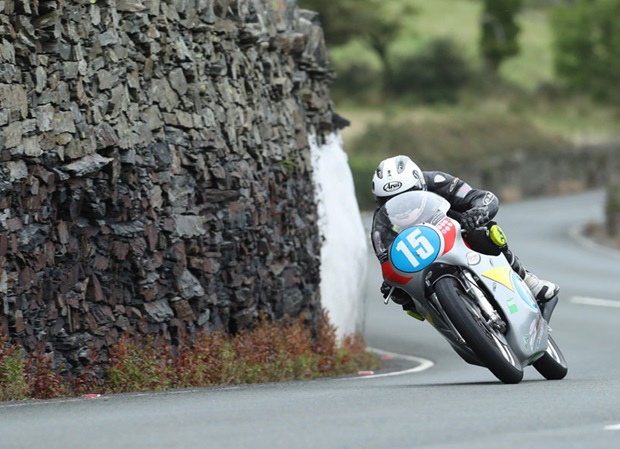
<point x="412" y="311"/>
<point x="542" y="290"/>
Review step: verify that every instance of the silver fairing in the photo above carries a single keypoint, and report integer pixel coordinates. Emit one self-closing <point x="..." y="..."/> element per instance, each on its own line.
<point x="427" y="245"/>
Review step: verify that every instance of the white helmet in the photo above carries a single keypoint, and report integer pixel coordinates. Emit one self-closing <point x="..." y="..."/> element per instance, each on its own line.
<point x="396" y="175"/>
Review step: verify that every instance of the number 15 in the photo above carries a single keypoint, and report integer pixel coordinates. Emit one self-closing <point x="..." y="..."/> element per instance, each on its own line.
<point x="418" y="244"/>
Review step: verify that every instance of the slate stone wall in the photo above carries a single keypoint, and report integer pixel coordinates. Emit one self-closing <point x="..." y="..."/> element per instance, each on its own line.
<point x="155" y="174"/>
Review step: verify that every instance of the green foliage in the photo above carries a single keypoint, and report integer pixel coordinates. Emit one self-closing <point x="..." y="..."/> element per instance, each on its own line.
<point x="451" y="146"/>
<point x="272" y="351"/>
<point x="359" y="80"/>
<point x="586" y="43"/>
<point x="499" y="31"/>
<point x="339" y="19"/>
<point x="137" y="366"/>
<point x="13" y="383"/>
<point x="435" y="75"/>
<point x="28" y="376"/>
<point x="288" y="165"/>
<point x="379" y="21"/>
<point x="43" y="378"/>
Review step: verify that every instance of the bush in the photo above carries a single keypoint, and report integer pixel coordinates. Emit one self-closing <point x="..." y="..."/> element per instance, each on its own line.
<point x="499" y="31"/>
<point x="357" y="80"/>
<point x="28" y="376"/>
<point x="273" y="351"/>
<point x="586" y="41"/>
<point x="13" y="384"/>
<point x="359" y="74"/>
<point x="435" y="75"/>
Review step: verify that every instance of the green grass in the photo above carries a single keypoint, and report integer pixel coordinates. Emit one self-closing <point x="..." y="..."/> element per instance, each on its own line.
<point x="534" y="64"/>
<point x="456" y="19"/>
<point x="460" y="20"/>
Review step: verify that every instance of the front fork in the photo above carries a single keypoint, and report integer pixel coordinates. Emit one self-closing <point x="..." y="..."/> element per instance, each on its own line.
<point x="489" y="313"/>
<point x="493" y="318"/>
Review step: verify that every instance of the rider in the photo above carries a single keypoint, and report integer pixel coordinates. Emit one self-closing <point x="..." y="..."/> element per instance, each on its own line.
<point x="474" y="209"/>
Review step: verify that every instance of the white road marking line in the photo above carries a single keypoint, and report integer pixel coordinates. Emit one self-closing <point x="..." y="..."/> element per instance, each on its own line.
<point x="31" y="402"/>
<point x="102" y="397"/>
<point x="595" y="301"/>
<point x="613" y="427"/>
<point x="424" y="364"/>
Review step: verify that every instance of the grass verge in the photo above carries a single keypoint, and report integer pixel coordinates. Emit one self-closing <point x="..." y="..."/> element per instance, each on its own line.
<point x="272" y="352"/>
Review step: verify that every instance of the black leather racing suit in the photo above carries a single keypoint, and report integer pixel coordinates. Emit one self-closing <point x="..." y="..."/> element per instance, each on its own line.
<point x="459" y="194"/>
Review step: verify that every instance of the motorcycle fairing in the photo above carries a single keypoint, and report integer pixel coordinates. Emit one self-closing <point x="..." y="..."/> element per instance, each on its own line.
<point x="415" y="248"/>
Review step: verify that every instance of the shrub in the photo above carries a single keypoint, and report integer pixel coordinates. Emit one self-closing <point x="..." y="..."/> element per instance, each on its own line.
<point x="13" y="383"/>
<point x="44" y="380"/>
<point x="435" y="75"/>
<point x="272" y="351"/>
<point x="586" y="40"/>
<point x="359" y="81"/>
<point x="200" y="363"/>
<point x="137" y="365"/>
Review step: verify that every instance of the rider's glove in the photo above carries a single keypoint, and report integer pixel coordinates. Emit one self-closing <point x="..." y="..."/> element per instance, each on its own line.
<point x="474" y="218"/>
<point x="385" y="289"/>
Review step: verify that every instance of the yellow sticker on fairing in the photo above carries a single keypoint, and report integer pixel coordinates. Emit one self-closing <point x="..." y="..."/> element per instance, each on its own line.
<point x="501" y="275"/>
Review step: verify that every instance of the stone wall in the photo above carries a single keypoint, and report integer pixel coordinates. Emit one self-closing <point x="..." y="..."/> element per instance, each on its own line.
<point x="155" y="174"/>
<point x="575" y="169"/>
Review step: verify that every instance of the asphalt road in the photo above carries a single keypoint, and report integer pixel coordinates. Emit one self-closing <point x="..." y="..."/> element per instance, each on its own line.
<point x="437" y="401"/>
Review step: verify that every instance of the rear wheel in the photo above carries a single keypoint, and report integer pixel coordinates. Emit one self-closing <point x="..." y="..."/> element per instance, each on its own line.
<point x="552" y="364"/>
<point x="487" y="342"/>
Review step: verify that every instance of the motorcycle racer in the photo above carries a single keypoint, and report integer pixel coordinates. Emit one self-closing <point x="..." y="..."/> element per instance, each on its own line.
<point x="473" y="208"/>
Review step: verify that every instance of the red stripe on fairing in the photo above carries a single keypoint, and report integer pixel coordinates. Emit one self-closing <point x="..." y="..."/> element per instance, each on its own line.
<point x="448" y="230"/>
<point x="392" y="276"/>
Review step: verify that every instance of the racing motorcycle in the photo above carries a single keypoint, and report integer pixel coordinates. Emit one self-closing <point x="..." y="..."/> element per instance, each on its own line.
<point x="473" y="299"/>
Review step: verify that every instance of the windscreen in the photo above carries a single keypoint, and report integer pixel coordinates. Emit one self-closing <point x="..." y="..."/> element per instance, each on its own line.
<point x="406" y="210"/>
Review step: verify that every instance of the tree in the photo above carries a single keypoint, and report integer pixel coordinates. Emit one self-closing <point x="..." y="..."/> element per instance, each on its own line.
<point x="586" y="47"/>
<point x="499" y="32"/>
<point x="342" y="20"/>
<point x="378" y="22"/>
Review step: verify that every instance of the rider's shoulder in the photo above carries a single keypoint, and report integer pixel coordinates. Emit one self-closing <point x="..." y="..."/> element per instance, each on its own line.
<point x="438" y="178"/>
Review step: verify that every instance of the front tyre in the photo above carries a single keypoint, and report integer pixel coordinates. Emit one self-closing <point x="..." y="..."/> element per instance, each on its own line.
<point x="552" y="364"/>
<point x="486" y="342"/>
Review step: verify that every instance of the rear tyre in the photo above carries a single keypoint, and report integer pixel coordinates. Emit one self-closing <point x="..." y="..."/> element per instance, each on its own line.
<point x="552" y="364"/>
<point x="488" y="343"/>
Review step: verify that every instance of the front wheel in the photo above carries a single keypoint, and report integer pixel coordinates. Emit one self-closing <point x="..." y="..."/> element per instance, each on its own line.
<point x="487" y="342"/>
<point x="552" y="364"/>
